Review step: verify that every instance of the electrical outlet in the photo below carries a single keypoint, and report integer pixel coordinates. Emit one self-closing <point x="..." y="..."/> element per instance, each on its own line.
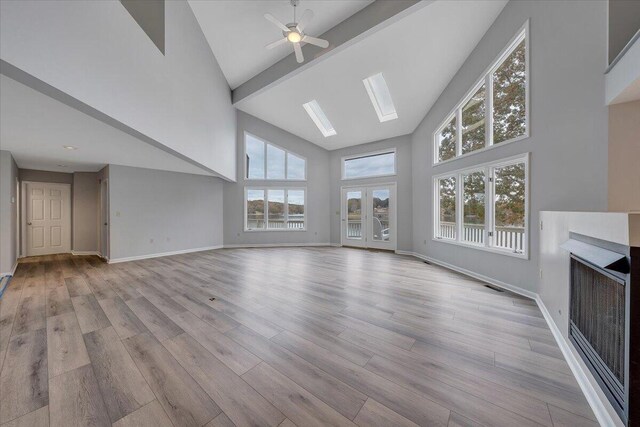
<point x="540" y="273"/>
<point x="117" y="213"/>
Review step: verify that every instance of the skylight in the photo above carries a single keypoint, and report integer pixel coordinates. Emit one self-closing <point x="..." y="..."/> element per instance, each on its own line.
<point x="380" y="97"/>
<point x="319" y="118"/>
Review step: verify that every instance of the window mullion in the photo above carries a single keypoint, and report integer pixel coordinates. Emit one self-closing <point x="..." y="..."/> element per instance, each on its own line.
<point x="459" y="208"/>
<point x="488" y="119"/>
<point x="286" y="209"/>
<point x="459" y="131"/>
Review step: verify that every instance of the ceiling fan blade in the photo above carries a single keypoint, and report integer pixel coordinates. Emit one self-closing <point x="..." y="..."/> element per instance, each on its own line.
<point x="298" y="51"/>
<point x="276" y="43"/>
<point x="306" y="17"/>
<point x="277" y="23"/>
<point x="316" y="41"/>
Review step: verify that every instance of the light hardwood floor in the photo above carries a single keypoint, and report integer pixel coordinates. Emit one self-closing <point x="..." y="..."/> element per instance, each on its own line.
<point x="275" y="337"/>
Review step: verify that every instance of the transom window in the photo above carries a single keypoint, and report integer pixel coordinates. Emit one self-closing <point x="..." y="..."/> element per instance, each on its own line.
<point x="485" y="206"/>
<point x="268" y="161"/>
<point x="495" y="111"/>
<point x="369" y="165"/>
<point x="275" y="209"/>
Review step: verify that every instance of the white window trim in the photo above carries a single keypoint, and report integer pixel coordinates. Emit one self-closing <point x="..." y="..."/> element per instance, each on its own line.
<point x="373" y="153"/>
<point x="523" y="32"/>
<point x="488" y="168"/>
<point x="286" y="161"/>
<point x="266" y="213"/>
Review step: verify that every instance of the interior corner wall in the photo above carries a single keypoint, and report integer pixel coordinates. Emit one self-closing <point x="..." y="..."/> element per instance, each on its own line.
<point x="317" y="185"/>
<point x="8" y="213"/>
<point x="403" y="180"/>
<point x="92" y="50"/>
<point x="86" y="203"/>
<point x="624" y="157"/>
<point x="155" y="212"/>
<point x="568" y="129"/>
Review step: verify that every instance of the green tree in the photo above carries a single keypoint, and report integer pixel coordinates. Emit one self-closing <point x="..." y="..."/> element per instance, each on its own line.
<point x="509" y="83"/>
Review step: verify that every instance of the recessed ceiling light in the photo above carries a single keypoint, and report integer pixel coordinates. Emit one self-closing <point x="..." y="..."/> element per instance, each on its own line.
<point x="380" y="97"/>
<point x="69" y="147"/>
<point x="319" y="118"/>
<point x="62" y="166"/>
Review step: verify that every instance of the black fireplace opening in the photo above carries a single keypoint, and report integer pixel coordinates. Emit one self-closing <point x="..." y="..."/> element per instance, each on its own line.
<point x="598" y="322"/>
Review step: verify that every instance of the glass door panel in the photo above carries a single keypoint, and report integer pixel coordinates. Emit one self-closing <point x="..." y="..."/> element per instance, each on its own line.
<point x="354" y="229"/>
<point x="368" y="217"/>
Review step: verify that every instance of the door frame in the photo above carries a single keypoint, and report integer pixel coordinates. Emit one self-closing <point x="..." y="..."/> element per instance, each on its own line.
<point x="23" y="214"/>
<point x="393" y="213"/>
<point x="104" y="204"/>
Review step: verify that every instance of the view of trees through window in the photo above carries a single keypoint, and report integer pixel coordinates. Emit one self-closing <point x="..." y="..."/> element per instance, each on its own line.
<point x="266" y="161"/>
<point x="473" y="119"/>
<point x="467" y="131"/>
<point x="277" y="205"/>
<point x="509" y="97"/>
<point x="508" y="207"/>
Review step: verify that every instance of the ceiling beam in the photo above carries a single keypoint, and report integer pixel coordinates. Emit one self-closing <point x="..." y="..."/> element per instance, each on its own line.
<point x="365" y="22"/>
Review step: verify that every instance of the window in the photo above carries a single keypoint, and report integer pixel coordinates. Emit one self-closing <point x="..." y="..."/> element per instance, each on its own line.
<point x="275" y="209"/>
<point x="464" y="216"/>
<point x="319" y="118"/>
<point x="268" y="161"/>
<point x="380" y="96"/>
<point x="494" y="112"/>
<point x="369" y="165"/>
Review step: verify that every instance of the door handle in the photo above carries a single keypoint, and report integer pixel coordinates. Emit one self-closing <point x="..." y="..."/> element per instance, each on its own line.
<point x="105" y="223"/>
<point x="28" y="223"/>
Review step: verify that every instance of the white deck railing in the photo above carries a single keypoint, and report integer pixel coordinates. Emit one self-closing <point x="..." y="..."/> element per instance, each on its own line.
<point x="354" y="228"/>
<point x="505" y="237"/>
<point x="291" y="224"/>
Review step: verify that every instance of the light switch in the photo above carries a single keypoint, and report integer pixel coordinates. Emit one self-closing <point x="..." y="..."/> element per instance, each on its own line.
<point x="13" y="199"/>
<point x="117" y="213"/>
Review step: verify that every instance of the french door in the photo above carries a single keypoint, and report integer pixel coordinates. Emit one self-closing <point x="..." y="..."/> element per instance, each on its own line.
<point x="369" y="216"/>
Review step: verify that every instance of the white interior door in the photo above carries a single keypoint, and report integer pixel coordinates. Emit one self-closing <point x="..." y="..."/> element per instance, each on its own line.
<point x="48" y="218"/>
<point x="369" y="216"/>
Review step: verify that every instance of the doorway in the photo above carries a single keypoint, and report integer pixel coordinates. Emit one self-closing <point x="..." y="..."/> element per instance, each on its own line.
<point x="47" y="218"/>
<point x="368" y="216"/>
<point x="104" y="219"/>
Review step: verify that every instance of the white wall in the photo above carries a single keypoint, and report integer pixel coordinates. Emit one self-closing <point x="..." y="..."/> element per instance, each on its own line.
<point x="8" y="212"/>
<point x="317" y="184"/>
<point x="403" y="179"/>
<point x="95" y="52"/>
<point x="154" y="212"/>
<point x="568" y="141"/>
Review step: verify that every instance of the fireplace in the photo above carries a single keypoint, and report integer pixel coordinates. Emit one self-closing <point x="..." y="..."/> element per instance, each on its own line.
<point x="599" y="316"/>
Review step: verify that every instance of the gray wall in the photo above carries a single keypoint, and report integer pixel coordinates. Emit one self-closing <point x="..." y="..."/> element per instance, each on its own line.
<point x="403" y="179"/>
<point x="155" y="212"/>
<point x="624" y="156"/>
<point x="568" y="129"/>
<point x="317" y="209"/>
<point x="86" y="199"/>
<point x="8" y="212"/>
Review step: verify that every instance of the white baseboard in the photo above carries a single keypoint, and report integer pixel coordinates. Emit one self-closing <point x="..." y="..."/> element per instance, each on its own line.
<point x="601" y="409"/>
<point x="274" y="245"/>
<point x="86" y="253"/>
<point x="495" y="282"/>
<point x="581" y="373"/>
<point x="158" y="255"/>
<point x="12" y="272"/>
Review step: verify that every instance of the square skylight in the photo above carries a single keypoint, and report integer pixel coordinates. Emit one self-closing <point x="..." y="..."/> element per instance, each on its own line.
<point x="380" y="97"/>
<point x="319" y="118"/>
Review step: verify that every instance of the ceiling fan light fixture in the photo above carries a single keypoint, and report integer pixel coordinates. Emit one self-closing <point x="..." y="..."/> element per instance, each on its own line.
<point x="294" y="37"/>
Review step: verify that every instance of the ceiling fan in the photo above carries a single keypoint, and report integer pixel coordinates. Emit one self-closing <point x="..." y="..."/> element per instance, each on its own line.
<point x="294" y="32"/>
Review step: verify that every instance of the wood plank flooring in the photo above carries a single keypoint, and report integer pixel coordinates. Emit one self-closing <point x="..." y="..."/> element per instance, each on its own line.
<point x="275" y="337"/>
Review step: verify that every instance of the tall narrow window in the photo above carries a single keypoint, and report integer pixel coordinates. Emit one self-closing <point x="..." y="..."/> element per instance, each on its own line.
<point x="295" y="211"/>
<point x="276" y="209"/>
<point x="295" y="167"/>
<point x="255" y="209"/>
<point x="509" y="206"/>
<point x="447" y="208"/>
<point x="473" y="225"/>
<point x="447" y="141"/>
<point x="473" y="122"/>
<point x="275" y="162"/>
<point x="255" y="158"/>
<point x="509" y="97"/>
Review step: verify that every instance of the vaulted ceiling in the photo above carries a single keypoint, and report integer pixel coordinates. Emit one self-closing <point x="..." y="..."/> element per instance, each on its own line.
<point x="419" y="51"/>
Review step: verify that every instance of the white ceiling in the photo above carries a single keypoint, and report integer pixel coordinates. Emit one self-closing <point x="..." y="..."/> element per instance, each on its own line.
<point x="418" y="56"/>
<point x="35" y="127"/>
<point x="238" y="32"/>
